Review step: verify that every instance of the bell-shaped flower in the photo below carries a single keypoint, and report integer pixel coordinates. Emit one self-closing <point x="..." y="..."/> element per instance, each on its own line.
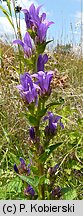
<point x="42" y="60"/>
<point x="22" y="168"/>
<point x="29" y="191"/>
<point x="32" y="133"/>
<point x="52" y="170"/>
<point x="44" y="80"/>
<point x="26" y="45"/>
<point x="56" y="192"/>
<point x="53" y="121"/>
<point x="37" y="22"/>
<point x="42" y="31"/>
<point x="32" y="16"/>
<point x="28" y="89"/>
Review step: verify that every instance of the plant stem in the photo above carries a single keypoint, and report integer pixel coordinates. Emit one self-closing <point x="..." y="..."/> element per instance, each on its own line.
<point x="41" y="187"/>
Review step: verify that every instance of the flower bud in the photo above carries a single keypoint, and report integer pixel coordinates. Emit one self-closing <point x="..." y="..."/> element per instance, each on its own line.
<point x="32" y="133"/>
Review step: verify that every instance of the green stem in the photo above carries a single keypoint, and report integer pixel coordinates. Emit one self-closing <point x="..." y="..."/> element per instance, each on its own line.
<point x="41" y="187"/>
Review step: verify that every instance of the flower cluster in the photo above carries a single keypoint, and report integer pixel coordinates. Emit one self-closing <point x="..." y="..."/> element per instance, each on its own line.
<point x="30" y="90"/>
<point x="24" y="169"/>
<point x="53" y="121"/>
<point x="37" y="23"/>
<point x="29" y="191"/>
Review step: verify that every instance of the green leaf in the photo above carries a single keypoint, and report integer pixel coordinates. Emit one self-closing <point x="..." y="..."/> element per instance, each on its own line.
<point x="59" y="102"/>
<point x="32" y="33"/>
<point x="32" y="181"/>
<point x="49" y="42"/>
<point x="71" y="194"/>
<point x="33" y="120"/>
<point x="65" y="190"/>
<point x="42" y="179"/>
<point x="34" y="170"/>
<point x="42" y="112"/>
<point x="48" y="151"/>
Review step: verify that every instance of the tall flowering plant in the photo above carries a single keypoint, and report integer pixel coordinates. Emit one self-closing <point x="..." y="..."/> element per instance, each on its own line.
<point x="35" y="90"/>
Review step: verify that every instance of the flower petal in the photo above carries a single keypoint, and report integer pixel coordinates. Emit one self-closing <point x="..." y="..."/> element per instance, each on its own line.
<point x="19" y="42"/>
<point x="45" y="58"/>
<point x="27" y="40"/>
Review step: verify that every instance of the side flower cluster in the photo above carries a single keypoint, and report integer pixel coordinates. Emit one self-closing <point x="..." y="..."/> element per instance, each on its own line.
<point x="24" y="169"/>
<point x="53" y="122"/>
<point x="30" y="90"/>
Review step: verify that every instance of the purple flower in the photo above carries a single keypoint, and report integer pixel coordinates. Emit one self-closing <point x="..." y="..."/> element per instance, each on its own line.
<point x="56" y="192"/>
<point x="42" y="60"/>
<point x="22" y="168"/>
<point x="44" y="80"/>
<point x="26" y="45"/>
<point x="16" y="168"/>
<point x="42" y="31"/>
<point x="37" y="22"/>
<point x="32" y="16"/>
<point x="28" y="89"/>
<point x="29" y="191"/>
<point x="32" y="133"/>
<point x="52" y="170"/>
<point x="51" y="128"/>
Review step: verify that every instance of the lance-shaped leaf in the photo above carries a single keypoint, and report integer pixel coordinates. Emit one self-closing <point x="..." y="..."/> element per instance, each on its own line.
<point x="31" y="181"/>
<point x="48" y="151"/>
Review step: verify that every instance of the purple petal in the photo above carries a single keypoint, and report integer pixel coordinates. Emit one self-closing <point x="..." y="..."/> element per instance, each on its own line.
<point x="27" y="51"/>
<point x="29" y="190"/>
<point x="16" y="168"/>
<point x="22" y="161"/>
<point x="49" y="76"/>
<point x="19" y="42"/>
<point x="29" y="96"/>
<point x="54" y="169"/>
<point x="40" y="63"/>
<point x="27" y="40"/>
<point x="35" y="75"/>
<point x="57" y="118"/>
<point x="61" y="124"/>
<point x="32" y="9"/>
<point x="24" y="10"/>
<point x="43" y="16"/>
<point x="45" y="118"/>
<point x="26" y="80"/>
<point x="45" y="58"/>
<point x="49" y="23"/>
<point x="20" y="87"/>
<point x="38" y="9"/>
<point x="32" y="133"/>
<point x="41" y="31"/>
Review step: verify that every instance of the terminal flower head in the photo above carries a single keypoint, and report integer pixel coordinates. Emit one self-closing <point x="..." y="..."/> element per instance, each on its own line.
<point x="37" y="22"/>
<point x="26" y="45"/>
<point x="32" y="16"/>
